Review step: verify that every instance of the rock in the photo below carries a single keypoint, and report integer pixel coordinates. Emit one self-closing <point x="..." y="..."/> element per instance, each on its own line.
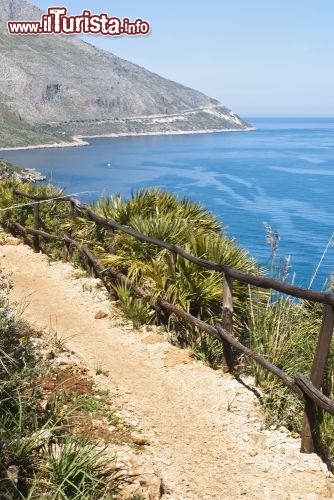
<point x="62" y="359"/>
<point x="283" y="429"/>
<point x="11" y="240"/>
<point x="139" y="439"/>
<point x="257" y="438"/>
<point x="252" y="453"/>
<point x="324" y="468"/>
<point x="153" y="338"/>
<point x="314" y="467"/>
<point x="100" y="314"/>
<point x="13" y="473"/>
<point x="177" y="356"/>
<point x="138" y="477"/>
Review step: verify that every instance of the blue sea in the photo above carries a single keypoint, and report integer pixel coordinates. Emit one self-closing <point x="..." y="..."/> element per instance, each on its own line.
<point x="281" y="174"/>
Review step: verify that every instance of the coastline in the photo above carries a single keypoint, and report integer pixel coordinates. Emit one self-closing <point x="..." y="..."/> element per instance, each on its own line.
<point x="169" y="132"/>
<point x="78" y="139"/>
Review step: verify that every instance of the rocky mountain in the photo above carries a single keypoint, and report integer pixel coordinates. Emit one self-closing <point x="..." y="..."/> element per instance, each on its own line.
<point x="53" y="87"/>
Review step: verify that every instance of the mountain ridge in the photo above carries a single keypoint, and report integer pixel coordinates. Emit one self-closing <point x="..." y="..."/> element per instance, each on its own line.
<point x="54" y="87"/>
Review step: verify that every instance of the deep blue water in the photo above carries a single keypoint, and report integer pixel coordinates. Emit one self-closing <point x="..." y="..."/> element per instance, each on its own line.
<point x="282" y="174"/>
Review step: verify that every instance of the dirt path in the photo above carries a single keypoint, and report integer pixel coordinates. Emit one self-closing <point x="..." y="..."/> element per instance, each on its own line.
<point x="205" y="428"/>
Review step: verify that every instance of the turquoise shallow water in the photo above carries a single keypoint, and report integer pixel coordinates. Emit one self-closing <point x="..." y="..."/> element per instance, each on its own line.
<point x="282" y="174"/>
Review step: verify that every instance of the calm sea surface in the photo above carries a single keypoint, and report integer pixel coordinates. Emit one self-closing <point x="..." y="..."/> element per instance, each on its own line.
<point x="282" y="174"/>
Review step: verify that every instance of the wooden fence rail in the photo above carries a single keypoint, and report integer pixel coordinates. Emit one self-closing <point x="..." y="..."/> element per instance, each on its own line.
<point x="306" y="389"/>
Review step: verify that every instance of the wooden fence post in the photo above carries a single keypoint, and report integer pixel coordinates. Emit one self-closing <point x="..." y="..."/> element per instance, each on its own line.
<point x="65" y="251"/>
<point x="68" y="233"/>
<point x="35" y="239"/>
<point x="72" y="209"/>
<point x="171" y="263"/>
<point x="309" y="431"/>
<point x="112" y="251"/>
<point x="227" y="322"/>
<point x="111" y="240"/>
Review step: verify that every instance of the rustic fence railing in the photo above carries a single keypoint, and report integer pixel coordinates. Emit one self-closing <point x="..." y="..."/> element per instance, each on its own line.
<point x="306" y="389"/>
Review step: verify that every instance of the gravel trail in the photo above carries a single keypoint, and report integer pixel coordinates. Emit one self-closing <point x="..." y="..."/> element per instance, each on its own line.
<point x="205" y="429"/>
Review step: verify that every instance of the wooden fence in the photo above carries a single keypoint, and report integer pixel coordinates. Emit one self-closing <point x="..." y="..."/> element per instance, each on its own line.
<point x="306" y="389"/>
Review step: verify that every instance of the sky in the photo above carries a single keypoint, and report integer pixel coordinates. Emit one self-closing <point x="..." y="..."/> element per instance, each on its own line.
<point x="259" y="58"/>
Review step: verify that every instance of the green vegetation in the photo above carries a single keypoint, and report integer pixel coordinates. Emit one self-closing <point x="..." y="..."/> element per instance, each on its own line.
<point x="184" y="223"/>
<point x="138" y="311"/>
<point x="16" y="132"/>
<point x="44" y="424"/>
<point x="5" y="164"/>
<point x="282" y="329"/>
<point x="286" y="331"/>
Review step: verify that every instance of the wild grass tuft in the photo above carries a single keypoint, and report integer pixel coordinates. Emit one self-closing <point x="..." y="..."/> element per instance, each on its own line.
<point x="78" y="470"/>
<point x="134" y="308"/>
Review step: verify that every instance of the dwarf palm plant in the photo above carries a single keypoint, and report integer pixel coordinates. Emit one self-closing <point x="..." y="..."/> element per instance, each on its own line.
<point x="190" y="226"/>
<point x="154" y="203"/>
<point x="184" y="223"/>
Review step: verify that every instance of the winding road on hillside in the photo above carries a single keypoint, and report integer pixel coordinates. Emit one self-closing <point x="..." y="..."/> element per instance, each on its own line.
<point x="206" y="429"/>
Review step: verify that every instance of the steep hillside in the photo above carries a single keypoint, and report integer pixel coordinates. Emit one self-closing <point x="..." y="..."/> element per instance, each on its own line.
<point x="57" y="86"/>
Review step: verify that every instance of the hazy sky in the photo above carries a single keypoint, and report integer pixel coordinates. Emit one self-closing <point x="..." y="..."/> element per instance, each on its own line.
<point x="260" y="58"/>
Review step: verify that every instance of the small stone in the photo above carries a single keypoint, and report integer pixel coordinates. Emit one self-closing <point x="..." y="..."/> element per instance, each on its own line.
<point x="252" y="453"/>
<point x="283" y="429"/>
<point x="140" y="440"/>
<point x="61" y="360"/>
<point x="136" y="461"/>
<point x="257" y="438"/>
<point x="100" y="314"/>
<point x="307" y="458"/>
<point x="10" y="240"/>
<point x="153" y="338"/>
<point x="13" y="473"/>
<point x="324" y="467"/>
